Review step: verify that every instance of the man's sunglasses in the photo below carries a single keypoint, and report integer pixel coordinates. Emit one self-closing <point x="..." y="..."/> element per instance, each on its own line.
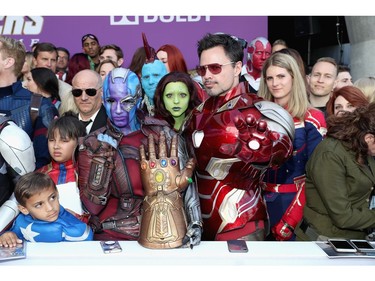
<point x="91" y="36"/>
<point x="90" y="92"/>
<point x="214" y="68"/>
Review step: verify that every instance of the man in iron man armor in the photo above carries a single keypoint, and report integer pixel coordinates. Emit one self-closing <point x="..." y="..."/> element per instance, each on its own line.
<point x="234" y="137"/>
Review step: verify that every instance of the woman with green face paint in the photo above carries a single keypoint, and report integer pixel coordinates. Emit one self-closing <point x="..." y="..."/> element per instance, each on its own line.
<point x="175" y="96"/>
<point x="176" y="100"/>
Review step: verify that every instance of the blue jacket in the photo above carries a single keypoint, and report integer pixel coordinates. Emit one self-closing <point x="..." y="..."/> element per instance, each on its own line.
<point x="16" y="104"/>
<point x="66" y="228"/>
<point x="308" y="135"/>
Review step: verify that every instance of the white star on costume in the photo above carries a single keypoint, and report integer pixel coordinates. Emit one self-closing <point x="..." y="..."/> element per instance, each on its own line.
<point x="28" y="234"/>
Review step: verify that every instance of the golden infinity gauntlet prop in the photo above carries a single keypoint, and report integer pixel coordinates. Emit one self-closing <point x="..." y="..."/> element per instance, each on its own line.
<point x="163" y="223"/>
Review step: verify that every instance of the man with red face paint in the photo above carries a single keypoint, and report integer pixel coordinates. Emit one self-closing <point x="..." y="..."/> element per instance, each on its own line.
<point x="258" y="51"/>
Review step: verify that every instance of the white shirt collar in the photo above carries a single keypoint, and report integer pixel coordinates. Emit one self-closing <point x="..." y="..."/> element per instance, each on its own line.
<point x="89" y="126"/>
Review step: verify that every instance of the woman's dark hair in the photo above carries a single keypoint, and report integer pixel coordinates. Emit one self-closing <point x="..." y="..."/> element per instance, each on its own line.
<point x="351" y="128"/>
<point x="47" y="81"/>
<point x="138" y="60"/>
<point x="175" y="76"/>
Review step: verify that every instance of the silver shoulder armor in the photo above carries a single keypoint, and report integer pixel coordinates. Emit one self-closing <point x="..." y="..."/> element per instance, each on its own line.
<point x="278" y="119"/>
<point x="17" y="149"/>
<point x="18" y="152"/>
<point x="8" y="212"/>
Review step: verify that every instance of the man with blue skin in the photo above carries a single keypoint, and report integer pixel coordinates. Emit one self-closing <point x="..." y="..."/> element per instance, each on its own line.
<point x="152" y="71"/>
<point x="151" y="74"/>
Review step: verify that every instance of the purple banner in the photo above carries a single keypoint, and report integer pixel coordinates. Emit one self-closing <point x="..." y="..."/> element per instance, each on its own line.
<point x="126" y="31"/>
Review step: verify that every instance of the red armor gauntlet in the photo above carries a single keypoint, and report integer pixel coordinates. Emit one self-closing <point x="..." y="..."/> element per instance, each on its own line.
<point x="284" y="229"/>
<point x="255" y="142"/>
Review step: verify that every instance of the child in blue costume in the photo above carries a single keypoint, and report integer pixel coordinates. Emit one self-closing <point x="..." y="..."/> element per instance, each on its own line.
<point x="42" y="218"/>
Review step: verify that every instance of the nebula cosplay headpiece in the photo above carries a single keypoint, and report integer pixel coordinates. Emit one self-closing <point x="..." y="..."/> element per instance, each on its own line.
<point x="122" y="96"/>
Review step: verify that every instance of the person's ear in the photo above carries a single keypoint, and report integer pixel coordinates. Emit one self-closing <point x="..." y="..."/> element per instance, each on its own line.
<point x="238" y="68"/>
<point x="369" y="138"/>
<point x="23" y="210"/>
<point x="34" y="61"/>
<point x="308" y="77"/>
<point x="9" y="62"/>
<point x="334" y="85"/>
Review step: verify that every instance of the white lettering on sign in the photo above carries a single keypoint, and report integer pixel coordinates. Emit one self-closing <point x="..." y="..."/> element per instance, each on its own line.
<point x="11" y="25"/>
<point x="136" y="20"/>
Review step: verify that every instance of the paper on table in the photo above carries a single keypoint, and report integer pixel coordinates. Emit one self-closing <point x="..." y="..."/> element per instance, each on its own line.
<point x="69" y="197"/>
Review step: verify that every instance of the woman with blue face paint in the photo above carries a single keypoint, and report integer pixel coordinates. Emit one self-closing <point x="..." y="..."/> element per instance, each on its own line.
<point x="113" y="153"/>
<point x="122" y="98"/>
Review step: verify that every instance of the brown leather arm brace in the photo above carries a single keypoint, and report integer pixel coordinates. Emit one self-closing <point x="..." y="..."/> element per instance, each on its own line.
<point x="95" y="166"/>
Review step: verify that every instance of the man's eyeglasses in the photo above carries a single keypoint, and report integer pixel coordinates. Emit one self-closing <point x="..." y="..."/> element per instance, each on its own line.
<point x="90" y="92"/>
<point x="214" y="68"/>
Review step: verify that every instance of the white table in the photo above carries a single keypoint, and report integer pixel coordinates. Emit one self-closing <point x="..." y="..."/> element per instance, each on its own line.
<point x="269" y="258"/>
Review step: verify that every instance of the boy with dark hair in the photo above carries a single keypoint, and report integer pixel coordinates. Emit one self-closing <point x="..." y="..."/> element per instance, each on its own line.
<point x="42" y="218"/>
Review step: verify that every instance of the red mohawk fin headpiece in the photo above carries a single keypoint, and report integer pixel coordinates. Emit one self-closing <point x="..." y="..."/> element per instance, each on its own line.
<point x="150" y="52"/>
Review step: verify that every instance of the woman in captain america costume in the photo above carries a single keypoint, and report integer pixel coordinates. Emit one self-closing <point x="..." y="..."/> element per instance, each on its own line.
<point x="42" y="218"/>
<point x="284" y="188"/>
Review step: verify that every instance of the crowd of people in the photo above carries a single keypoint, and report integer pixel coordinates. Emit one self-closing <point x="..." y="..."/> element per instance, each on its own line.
<point x="250" y="150"/>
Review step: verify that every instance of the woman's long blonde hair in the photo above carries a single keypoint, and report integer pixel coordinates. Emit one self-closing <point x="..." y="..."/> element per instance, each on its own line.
<point x="298" y="102"/>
